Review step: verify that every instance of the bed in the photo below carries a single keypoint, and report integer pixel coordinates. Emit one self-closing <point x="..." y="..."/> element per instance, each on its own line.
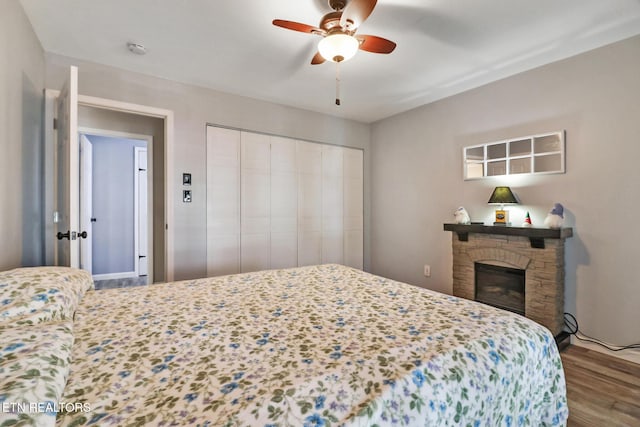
<point x="322" y="345"/>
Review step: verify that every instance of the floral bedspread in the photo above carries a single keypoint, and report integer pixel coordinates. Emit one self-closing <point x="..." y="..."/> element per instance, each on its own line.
<point x="312" y="346"/>
<point x="31" y="295"/>
<point x="37" y="305"/>
<point x="34" y="364"/>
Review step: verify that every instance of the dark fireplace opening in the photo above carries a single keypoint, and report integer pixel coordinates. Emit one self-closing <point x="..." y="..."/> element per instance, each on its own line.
<point x="501" y="287"/>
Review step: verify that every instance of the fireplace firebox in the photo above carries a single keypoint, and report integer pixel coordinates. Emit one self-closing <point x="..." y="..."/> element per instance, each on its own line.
<point x="501" y="287"/>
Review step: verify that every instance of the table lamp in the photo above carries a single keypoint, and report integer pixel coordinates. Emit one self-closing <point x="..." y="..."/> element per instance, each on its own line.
<point x="502" y="196"/>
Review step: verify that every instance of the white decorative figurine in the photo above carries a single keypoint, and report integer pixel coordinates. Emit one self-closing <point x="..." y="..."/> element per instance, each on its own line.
<point x="462" y="217"/>
<point x="555" y="217"/>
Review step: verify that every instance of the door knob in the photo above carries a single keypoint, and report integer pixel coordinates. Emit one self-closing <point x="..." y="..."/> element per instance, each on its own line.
<point x="62" y="235"/>
<point x="83" y="234"/>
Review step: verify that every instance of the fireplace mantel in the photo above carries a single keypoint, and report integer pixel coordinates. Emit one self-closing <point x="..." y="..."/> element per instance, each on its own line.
<point x="536" y="235"/>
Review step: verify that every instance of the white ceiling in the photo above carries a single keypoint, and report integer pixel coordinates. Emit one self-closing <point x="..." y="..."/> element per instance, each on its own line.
<point x="444" y="46"/>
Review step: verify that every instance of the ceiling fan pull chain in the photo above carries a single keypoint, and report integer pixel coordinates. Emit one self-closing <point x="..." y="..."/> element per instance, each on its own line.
<point x="337" y="83"/>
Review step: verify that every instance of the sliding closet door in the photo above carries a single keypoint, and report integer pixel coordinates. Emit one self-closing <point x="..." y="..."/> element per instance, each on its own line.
<point x="223" y="201"/>
<point x="275" y="202"/>
<point x="255" y="212"/>
<point x="284" y="203"/>
<point x="309" y="203"/>
<point x="353" y="208"/>
<point x="332" y="204"/>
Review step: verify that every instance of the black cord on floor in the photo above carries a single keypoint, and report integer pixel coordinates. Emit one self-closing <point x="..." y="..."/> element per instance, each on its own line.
<point x="572" y="325"/>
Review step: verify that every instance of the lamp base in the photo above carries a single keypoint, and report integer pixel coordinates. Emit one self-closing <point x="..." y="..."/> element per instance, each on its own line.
<point x="502" y="217"/>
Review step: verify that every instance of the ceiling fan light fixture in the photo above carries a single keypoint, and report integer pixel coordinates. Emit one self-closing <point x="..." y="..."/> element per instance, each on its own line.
<point x="338" y="47"/>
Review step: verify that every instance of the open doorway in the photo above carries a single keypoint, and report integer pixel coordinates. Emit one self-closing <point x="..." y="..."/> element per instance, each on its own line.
<point x="62" y="228"/>
<point x="116" y="198"/>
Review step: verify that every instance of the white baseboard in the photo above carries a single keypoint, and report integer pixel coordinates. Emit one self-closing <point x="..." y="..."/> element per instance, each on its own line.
<point x="631" y="355"/>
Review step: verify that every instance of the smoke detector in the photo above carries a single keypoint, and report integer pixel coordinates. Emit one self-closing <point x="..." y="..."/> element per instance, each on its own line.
<point x="136" y="48"/>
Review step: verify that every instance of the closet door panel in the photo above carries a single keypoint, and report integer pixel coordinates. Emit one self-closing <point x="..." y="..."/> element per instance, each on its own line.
<point x="223" y="201"/>
<point x="255" y="197"/>
<point x="309" y="162"/>
<point x="283" y="155"/>
<point x="223" y="210"/>
<point x="284" y="249"/>
<point x="310" y="200"/>
<point x="284" y="227"/>
<point x="255" y="252"/>
<point x="353" y="208"/>
<point x="284" y="203"/>
<point x="332" y="204"/>
<point x="309" y="248"/>
<point x="332" y="160"/>
<point x="284" y="184"/>
<point x="309" y="158"/>
<point x="284" y="195"/>
<point x="332" y="247"/>
<point x="255" y="151"/>
<point x="255" y="213"/>
<point x="353" y="188"/>
<point x="353" y="248"/>
<point x="225" y="255"/>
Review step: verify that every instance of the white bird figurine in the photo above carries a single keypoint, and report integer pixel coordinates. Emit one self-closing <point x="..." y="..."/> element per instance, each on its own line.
<point x="555" y="217"/>
<point x="462" y="217"/>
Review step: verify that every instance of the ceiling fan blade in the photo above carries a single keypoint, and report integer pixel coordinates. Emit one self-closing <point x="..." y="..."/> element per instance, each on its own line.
<point x="317" y="59"/>
<point x="355" y="13"/>
<point x="297" y="26"/>
<point x="375" y="44"/>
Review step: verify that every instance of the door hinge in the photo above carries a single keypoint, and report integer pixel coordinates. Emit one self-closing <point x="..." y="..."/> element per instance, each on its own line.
<point x="55" y="123"/>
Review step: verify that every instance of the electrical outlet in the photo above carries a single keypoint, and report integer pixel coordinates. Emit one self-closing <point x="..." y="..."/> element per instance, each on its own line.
<point x="427" y="270"/>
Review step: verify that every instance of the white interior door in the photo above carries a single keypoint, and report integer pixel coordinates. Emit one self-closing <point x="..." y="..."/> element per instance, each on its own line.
<point x="141" y="211"/>
<point x="86" y="203"/>
<point x="67" y="174"/>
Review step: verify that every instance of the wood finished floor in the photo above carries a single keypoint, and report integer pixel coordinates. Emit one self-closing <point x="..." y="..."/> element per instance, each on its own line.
<point x="120" y="283"/>
<point x="602" y="390"/>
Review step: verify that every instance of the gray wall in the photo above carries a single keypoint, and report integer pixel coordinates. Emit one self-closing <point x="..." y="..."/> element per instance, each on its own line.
<point x="194" y="107"/>
<point x="21" y="112"/>
<point x="417" y="165"/>
<point x="113" y="204"/>
<point x="98" y="118"/>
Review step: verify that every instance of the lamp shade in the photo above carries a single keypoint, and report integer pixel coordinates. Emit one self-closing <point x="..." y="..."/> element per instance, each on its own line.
<point x="502" y="195"/>
<point x="338" y="47"/>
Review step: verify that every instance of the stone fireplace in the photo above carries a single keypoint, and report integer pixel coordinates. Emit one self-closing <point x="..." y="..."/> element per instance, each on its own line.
<point x="537" y="253"/>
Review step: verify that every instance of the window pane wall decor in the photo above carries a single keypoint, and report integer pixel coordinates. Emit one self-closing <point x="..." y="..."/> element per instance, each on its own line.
<point x="536" y="154"/>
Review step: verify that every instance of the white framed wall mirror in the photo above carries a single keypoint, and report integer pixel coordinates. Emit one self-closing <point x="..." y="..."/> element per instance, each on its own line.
<point x="535" y="154"/>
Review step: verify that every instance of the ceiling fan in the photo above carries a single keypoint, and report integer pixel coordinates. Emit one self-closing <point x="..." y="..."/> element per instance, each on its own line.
<point x="338" y="28"/>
